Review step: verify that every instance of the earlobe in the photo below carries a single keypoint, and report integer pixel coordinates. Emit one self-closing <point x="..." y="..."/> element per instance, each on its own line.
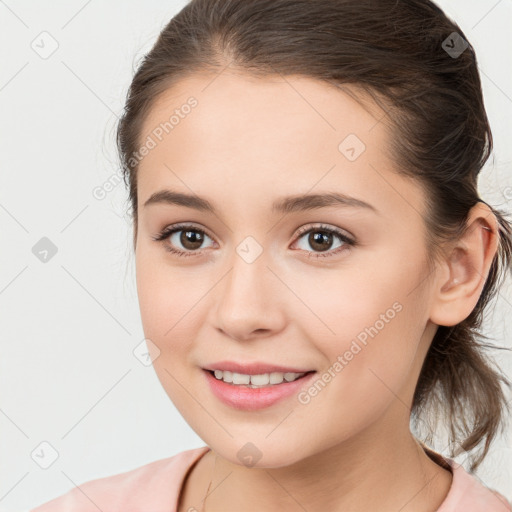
<point x="465" y="269"/>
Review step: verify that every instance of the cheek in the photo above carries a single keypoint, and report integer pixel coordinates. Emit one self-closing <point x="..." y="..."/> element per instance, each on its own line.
<point x="158" y="284"/>
<point x="344" y="304"/>
<point x="152" y="301"/>
<point x="368" y="369"/>
<point x="166" y="300"/>
<point x="368" y="319"/>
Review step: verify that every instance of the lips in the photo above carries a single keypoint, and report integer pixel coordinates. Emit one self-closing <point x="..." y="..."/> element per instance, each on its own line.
<point x="245" y="398"/>
<point x="256" y="368"/>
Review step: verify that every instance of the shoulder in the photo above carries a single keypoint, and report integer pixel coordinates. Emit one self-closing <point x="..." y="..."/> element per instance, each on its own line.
<point x="468" y="493"/>
<point x="153" y="486"/>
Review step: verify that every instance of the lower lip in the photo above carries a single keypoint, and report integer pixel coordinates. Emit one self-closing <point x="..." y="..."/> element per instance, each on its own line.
<point x="252" y="399"/>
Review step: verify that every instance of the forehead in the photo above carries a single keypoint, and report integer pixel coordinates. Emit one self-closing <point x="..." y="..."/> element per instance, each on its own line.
<point x="236" y="110"/>
<point x="274" y="136"/>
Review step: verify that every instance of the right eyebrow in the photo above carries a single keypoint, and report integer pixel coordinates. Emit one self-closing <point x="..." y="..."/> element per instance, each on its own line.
<point x="178" y="198"/>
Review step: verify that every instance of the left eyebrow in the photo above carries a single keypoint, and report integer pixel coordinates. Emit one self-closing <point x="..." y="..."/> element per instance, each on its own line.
<point x="313" y="201"/>
<point x="287" y="204"/>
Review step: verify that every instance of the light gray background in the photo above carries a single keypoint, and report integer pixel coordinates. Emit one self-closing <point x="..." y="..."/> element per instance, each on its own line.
<point x="69" y="326"/>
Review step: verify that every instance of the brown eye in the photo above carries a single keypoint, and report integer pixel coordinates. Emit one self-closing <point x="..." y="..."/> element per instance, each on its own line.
<point x="191" y="240"/>
<point x="183" y="240"/>
<point x="320" y="239"/>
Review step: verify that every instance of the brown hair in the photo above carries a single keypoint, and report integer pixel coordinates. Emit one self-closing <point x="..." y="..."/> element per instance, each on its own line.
<point x="397" y="52"/>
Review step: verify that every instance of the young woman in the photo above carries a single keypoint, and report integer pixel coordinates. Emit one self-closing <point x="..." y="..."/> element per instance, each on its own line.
<point x="313" y="259"/>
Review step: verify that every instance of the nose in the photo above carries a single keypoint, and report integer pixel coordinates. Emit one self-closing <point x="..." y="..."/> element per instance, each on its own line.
<point x="250" y="300"/>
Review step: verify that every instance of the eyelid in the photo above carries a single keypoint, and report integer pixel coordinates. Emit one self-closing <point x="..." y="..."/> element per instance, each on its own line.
<point x="324" y="227"/>
<point x="181" y="226"/>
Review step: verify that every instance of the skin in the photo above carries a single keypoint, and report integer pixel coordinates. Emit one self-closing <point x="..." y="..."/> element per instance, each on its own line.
<point x="248" y="142"/>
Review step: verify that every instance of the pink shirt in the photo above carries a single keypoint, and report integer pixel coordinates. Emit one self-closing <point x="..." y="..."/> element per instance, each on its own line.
<point x="155" y="487"/>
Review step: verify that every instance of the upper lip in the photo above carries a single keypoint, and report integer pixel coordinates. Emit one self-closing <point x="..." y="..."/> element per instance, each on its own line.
<point x="256" y="368"/>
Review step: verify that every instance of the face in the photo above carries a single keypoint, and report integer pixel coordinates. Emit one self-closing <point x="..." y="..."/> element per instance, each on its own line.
<point x="337" y="288"/>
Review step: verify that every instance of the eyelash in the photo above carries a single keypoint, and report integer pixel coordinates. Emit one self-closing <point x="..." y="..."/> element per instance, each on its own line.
<point x="167" y="232"/>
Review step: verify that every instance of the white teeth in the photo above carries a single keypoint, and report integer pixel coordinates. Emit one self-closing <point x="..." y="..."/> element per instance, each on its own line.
<point x="255" y="381"/>
<point x="238" y="378"/>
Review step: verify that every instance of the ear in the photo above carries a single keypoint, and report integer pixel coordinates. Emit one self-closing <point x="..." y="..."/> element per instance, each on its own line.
<point x="462" y="274"/>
